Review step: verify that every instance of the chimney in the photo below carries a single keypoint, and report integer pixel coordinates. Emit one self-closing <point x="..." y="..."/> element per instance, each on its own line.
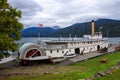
<point x="93" y="27"/>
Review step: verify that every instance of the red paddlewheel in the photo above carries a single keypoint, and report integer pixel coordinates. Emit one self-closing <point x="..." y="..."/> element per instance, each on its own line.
<point x="33" y="53"/>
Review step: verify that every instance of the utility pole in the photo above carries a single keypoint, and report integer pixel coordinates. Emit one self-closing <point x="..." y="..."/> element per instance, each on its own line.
<point x="107" y="33"/>
<point x="75" y="31"/>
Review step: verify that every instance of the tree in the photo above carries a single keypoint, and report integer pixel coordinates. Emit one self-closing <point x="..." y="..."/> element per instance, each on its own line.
<point x="10" y="26"/>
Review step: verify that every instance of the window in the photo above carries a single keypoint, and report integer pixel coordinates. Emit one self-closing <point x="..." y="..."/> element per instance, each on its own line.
<point x="87" y="47"/>
<point x="50" y="51"/>
<point x="70" y="50"/>
<point x="88" y="42"/>
<point x="57" y="51"/>
<point x="71" y="43"/>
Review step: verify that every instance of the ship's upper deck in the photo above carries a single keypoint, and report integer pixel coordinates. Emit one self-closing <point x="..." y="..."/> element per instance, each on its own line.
<point x="64" y="40"/>
<point x="55" y="43"/>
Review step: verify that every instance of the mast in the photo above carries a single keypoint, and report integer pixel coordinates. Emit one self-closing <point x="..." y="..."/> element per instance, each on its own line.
<point x="93" y="28"/>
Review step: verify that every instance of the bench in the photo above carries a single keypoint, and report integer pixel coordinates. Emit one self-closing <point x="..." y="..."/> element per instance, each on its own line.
<point x="104" y="60"/>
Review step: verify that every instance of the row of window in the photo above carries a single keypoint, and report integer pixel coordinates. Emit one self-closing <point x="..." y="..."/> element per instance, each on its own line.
<point x="89" y="42"/>
<point x="57" y="51"/>
<point x="51" y="51"/>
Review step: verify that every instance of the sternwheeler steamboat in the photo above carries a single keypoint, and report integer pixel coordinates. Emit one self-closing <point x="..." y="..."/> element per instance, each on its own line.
<point x="62" y="48"/>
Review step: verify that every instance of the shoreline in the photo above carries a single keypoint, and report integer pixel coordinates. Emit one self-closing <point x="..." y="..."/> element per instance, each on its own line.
<point x="8" y="59"/>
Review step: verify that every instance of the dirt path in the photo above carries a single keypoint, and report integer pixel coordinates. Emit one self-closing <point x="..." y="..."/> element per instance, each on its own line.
<point x="33" y="70"/>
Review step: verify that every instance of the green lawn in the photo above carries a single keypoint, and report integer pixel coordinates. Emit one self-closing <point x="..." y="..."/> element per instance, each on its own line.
<point x="75" y="71"/>
<point x="93" y="65"/>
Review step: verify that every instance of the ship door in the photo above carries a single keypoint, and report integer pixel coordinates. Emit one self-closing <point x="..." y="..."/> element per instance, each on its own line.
<point x="77" y="50"/>
<point x="98" y="47"/>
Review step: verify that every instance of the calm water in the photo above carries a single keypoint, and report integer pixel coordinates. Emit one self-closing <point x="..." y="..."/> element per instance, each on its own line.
<point x="114" y="40"/>
<point x="34" y="40"/>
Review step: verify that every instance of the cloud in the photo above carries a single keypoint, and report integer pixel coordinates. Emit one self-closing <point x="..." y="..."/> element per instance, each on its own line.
<point x="65" y="12"/>
<point x="28" y="7"/>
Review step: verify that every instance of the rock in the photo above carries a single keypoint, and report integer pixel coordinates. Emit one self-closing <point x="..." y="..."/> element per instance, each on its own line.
<point x="118" y="64"/>
<point x="26" y="73"/>
<point x="116" y="67"/>
<point x="88" y="79"/>
<point x="37" y="73"/>
<point x="12" y="74"/>
<point x="15" y="74"/>
<point x="101" y="74"/>
<point x="119" y="67"/>
<point x="32" y="73"/>
<point x="57" y="72"/>
<point x="8" y="74"/>
<point x="111" y="69"/>
<point x="108" y="71"/>
<point x="96" y="75"/>
<point x="47" y="72"/>
<point x="20" y="74"/>
<point x="81" y="79"/>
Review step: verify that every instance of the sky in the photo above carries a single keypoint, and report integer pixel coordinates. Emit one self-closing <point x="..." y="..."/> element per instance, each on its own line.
<point x="64" y="13"/>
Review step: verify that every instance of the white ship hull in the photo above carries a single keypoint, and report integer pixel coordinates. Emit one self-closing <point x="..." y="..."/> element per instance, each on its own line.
<point x="57" y="49"/>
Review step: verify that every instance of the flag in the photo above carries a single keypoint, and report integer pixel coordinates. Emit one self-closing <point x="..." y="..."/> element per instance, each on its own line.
<point x="40" y="25"/>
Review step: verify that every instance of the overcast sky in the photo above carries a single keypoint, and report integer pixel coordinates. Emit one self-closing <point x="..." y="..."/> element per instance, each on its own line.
<point x="65" y="12"/>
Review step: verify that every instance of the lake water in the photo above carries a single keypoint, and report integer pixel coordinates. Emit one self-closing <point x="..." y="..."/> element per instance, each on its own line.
<point x="114" y="40"/>
<point x="34" y="40"/>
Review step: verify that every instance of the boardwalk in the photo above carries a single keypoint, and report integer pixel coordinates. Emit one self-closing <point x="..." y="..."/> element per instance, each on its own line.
<point x="80" y="58"/>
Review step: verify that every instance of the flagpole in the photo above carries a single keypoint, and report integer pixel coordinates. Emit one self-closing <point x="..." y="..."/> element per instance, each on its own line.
<point x="100" y="28"/>
<point x="40" y="26"/>
<point x="38" y="34"/>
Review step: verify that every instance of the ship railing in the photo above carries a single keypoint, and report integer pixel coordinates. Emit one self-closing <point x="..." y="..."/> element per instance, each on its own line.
<point x="64" y="39"/>
<point x="60" y="47"/>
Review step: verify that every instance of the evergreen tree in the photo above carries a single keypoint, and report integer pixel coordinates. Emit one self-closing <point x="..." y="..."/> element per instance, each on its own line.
<point x="10" y="26"/>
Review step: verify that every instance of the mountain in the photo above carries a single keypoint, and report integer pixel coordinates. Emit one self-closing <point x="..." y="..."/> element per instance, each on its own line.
<point x="79" y="29"/>
<point x="109" y="25"/>
<point x="33" y="31"/>
<point x="56" y="27"/>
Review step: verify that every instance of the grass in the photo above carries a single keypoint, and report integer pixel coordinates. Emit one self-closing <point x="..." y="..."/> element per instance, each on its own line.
<point x="94" y="65"/>
<point x="75" y="71"/>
